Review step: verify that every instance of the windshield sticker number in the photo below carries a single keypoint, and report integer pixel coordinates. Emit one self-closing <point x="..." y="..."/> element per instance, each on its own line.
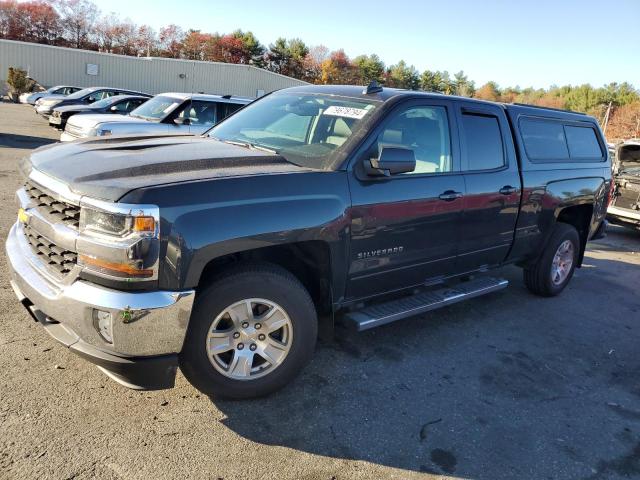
<point x="346" y="112"/>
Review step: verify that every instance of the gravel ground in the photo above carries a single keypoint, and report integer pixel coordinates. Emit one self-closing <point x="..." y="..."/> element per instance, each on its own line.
<point x="504" y="386"/>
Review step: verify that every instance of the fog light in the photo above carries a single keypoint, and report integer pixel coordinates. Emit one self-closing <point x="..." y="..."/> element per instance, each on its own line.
<point x="103" y="324"/>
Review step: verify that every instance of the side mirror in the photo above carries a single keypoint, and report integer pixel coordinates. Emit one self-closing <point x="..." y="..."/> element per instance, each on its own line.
<point x="391" y="161"/>
<point x="114" y="108"/>
<point x="182" y="121"/>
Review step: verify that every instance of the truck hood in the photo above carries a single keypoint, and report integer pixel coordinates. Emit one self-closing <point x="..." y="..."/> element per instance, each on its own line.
<point x="108" y="168"/>
<point x="87" y="122"/>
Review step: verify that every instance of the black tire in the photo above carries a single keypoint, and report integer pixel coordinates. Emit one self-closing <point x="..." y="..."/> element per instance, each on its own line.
<point x="537" y="277"/>
<point x="265" y="281"/>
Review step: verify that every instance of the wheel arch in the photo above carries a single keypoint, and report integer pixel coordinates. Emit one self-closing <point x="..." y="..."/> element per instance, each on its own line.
<point x="580" y="217"/>
<point x="309" y="261"/>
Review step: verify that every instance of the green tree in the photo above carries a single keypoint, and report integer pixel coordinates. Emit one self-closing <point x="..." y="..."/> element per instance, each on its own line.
<point x="369" y="68"/>
<point x="434" y="81"/>
<point x="287" y="57"/>
<point x="402" y="75"/>
<point x="253" y="49"/>
<point x="462" y="85"/>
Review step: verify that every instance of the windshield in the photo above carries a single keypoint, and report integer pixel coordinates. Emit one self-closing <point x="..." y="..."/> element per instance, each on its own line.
<point x="306" y="129"/>
<point x="156" y="108"/>
<point x="80" y="93"/>
<point x="629" y="158"/>
<point x="105" y="102"/>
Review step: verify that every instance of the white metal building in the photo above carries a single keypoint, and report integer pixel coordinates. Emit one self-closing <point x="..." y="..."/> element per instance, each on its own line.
<point x="84" y="68"/>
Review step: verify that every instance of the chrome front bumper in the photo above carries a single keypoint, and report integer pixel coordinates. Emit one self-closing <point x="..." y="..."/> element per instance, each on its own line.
<point x="143" y="323"/>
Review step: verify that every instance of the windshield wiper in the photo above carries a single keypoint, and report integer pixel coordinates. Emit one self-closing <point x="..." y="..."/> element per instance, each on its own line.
<point x="251" y="146"/>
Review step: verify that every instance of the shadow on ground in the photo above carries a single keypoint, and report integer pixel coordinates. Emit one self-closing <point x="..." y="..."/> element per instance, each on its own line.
<point x="505" y="386"/>
<point x="11" y="140"/>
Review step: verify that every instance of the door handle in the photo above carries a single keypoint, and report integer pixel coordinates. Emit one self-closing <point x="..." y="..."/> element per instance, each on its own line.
<point x="508" y="190"/>
<point x="450" y="196"/>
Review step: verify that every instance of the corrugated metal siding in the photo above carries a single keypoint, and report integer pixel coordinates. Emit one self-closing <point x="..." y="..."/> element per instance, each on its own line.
<point x="67" y="66"/>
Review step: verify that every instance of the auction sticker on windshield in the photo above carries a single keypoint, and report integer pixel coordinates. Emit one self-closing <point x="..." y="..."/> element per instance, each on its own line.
<point x="346" y="112"/>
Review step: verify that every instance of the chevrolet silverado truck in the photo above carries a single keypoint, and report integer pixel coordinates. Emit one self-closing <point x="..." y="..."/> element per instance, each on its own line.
<point x="625" y="204"/>
<point x="224" y="253"/>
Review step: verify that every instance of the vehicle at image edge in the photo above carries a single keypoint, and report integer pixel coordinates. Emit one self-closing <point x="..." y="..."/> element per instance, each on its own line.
<point x="625" y="205"/>
<point x="224" y="253"/>
<point x="86" y="96"/>
<point x="167" y="113"/>
<point x="119" y="105"/>
<point x="32" y="97"/>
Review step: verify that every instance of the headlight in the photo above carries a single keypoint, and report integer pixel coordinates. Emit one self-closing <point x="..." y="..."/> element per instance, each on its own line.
<point x="115" y="223"/>
<point x="100" y="132"/>
<point x="119" y="241"/>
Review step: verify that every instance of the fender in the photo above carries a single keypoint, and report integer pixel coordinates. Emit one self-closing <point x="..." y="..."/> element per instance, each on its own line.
<point x="210" y="219"/>
<point x="563" y="194"/>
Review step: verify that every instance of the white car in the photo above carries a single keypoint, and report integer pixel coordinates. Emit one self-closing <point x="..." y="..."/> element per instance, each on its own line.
<point x="32" y="97"/>
<point x="164" y="114"/>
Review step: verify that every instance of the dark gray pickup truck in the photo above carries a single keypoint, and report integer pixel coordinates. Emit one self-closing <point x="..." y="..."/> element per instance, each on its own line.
<point x="223" y="253"/>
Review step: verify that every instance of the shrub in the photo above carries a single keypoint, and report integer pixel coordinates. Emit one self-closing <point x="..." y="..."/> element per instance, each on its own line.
<point x="17" y="80"/>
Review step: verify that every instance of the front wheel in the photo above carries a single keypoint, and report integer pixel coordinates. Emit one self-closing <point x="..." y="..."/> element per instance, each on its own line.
<point x="554" y="269"/>
<point x="251" y="332"/>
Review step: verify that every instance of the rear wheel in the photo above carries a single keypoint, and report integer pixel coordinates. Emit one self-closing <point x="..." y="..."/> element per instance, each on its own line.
<point x="250" y="333"/>
<point x="554" y="269"/>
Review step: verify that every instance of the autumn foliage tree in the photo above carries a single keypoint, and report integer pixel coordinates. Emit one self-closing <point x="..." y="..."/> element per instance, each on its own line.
<point x="34" y="21"/>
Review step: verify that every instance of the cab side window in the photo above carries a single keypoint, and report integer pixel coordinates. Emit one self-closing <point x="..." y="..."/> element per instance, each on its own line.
<point x="199" y="113"/>
<point x="122" y="106"/>
<point x="483" y="142"/>
<point x="425" y="130"/>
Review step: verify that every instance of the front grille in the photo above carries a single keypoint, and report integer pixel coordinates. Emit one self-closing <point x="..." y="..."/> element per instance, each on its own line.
<point x="57" y="210"/>
<point x="56" y="258"/>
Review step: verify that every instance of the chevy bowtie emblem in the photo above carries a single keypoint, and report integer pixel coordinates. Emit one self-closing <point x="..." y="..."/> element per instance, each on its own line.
<point x="23" y="217"/>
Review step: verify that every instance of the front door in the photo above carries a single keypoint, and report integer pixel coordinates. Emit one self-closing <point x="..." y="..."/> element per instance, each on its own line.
<point x="405" y="228"/>
<point x="492" y="182"/>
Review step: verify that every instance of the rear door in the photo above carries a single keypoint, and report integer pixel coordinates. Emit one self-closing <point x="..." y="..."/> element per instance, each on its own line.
<point x="405" y="228"/>
<point x="492" y="183"/>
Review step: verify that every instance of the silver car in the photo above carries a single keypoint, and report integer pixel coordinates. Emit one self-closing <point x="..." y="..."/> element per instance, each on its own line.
<point x="32" y="97"/>
<point x="164" y="114"/>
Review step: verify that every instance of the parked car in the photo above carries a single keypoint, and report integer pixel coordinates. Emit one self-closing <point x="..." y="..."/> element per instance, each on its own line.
<point x="119" y="105"/>
<point x="86" y="96"/>
<point x="625" y="206"/>
<point x="167" y="114"/>
<point x="63" y="90"/>
<point x="221" y="253"/>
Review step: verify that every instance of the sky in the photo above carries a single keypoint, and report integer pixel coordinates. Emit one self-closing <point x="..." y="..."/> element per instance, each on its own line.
<point x="526" y="43"/>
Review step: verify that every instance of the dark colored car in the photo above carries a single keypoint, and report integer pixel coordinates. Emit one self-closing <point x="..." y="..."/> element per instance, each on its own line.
<point x="119" y="104"/>
<point x="86" y="96"/>
<point x="222" y="253"/>
<point x="625" y="206"/>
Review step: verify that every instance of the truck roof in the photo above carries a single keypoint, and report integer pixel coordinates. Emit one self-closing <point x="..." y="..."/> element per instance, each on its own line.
<point x="385" y="93"/>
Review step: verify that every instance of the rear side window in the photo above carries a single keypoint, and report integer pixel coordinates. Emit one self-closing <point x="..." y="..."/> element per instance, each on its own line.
<point x="544" y="141"/>
<point x="483" y="142"/>
<point x="582" y="142"/>
<point x="548" y="141"/>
